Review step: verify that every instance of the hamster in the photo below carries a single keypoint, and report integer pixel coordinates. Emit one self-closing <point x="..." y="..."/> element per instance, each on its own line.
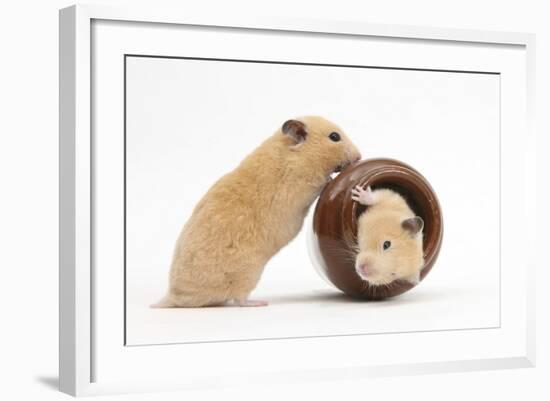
<point x="249" y="214"/>
<point x="389" y="237"/>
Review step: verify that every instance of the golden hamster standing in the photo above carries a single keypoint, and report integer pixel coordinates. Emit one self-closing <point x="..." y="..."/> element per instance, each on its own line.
<point x="389" y="237"/>
<point x="248" y="215"/>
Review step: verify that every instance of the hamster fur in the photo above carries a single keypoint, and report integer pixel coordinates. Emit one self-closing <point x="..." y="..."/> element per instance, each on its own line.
<point x="249" y="214"/>
<point x="389" y="237"/>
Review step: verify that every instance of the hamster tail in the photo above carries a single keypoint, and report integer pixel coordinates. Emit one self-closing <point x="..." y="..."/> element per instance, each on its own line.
<point x="164" y="303"/>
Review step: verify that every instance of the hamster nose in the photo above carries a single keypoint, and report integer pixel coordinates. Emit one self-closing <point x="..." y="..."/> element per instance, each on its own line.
<point x="366" y="269"/>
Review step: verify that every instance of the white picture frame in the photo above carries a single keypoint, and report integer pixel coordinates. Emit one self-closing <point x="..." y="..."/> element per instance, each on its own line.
<point x="93" y="356"/>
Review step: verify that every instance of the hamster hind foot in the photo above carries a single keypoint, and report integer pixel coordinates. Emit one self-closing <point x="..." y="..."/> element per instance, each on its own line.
<point x="248" y="303"/>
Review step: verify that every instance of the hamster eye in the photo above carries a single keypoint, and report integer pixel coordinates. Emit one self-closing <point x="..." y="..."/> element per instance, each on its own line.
<point x="334" y="136"/>
<point x="386" y="245"/>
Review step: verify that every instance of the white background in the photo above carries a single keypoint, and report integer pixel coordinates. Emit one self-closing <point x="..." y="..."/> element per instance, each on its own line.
<point x="28" y="82"/>
<point x="190" y="121"/>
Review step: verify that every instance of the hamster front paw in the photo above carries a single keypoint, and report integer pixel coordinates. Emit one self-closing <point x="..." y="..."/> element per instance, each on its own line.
<point x="363" y="196"/>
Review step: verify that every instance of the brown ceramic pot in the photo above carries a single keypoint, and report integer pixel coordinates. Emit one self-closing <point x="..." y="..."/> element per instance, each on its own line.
<point x="335" y="223"/>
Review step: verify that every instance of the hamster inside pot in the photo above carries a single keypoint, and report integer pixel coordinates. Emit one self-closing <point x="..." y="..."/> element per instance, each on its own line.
<point x="406" y="225"/>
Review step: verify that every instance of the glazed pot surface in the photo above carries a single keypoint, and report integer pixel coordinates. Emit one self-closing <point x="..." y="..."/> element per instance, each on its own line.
<point x="335" y="223"/>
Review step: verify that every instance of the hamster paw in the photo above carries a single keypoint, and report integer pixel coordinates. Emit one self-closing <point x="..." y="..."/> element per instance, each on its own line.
<point x="362" y="196"/>
<point x="250" y="302"/>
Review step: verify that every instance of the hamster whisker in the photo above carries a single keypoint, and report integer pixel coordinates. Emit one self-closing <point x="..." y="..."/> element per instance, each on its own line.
<point x="344" y="252"/>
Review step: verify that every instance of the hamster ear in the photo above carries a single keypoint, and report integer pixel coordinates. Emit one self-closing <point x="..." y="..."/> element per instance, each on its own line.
<point x="295" y="129"/>
<point x="414" y="225"/>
